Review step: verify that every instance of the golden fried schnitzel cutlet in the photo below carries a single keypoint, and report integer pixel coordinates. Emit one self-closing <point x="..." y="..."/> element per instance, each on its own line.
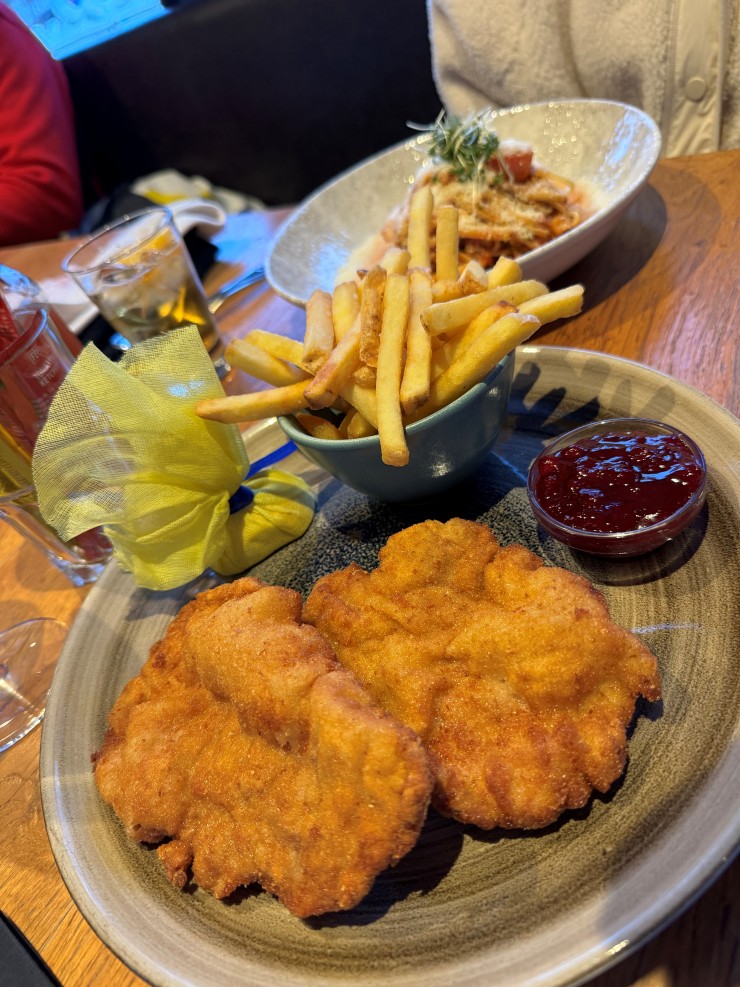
<point x="247" y="746"/>
<point x="512" y="673"/>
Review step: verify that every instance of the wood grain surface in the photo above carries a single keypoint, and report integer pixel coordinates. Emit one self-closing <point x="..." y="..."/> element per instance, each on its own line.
<point x="662" y="290"/>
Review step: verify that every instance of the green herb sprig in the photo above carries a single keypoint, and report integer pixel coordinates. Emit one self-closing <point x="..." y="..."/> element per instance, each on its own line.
<point x="464" y="144"/>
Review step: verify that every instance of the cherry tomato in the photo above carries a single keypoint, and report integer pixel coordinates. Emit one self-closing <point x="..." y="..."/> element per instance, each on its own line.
<point x="519" y="165"/>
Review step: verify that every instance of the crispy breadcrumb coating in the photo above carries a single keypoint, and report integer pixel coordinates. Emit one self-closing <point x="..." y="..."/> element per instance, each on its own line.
<point x="511" y="672"/>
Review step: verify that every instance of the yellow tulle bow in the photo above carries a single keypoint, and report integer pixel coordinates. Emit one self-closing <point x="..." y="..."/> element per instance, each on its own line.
<point x="123" y="449"/>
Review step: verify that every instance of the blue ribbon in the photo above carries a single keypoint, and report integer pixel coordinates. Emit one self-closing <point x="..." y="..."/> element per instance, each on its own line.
<point x="272" y="457"/>
<point x="243" y="496"/>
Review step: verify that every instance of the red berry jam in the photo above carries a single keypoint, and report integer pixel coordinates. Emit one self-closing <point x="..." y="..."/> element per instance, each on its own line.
<point x="616" y="479"/>
<point x="616" y="482"/>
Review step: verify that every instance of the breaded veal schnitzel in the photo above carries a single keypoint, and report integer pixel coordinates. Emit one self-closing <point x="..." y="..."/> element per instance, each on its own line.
<point x="246" y="746"/>
<point x="511" y="672"/>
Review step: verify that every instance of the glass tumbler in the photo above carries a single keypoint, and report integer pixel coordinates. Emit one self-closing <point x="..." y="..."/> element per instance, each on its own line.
<point x="28" y="655"/>
<point x="140" y="275"/>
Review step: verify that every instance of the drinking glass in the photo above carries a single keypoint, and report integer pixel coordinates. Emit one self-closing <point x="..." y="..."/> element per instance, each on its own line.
<point x="82" y="559"/>
<point x="28" y="654"/>
<point x="24" y="296"/>
<point x="34" y="361"/>
<point x="140" y="275"/>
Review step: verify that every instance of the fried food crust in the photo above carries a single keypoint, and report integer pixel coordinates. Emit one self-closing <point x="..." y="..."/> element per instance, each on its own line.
<point x="512" y="672"/>
<point x="246" y="746"/>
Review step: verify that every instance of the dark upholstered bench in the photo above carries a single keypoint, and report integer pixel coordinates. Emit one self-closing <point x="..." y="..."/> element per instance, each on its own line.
<point x="268" y="97"/>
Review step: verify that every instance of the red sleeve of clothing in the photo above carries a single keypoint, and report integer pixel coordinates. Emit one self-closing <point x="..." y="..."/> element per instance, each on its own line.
<point x="40" y="188"/>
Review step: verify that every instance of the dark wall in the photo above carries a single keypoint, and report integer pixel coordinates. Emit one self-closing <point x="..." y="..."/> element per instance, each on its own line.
<point x="269" y="97"/>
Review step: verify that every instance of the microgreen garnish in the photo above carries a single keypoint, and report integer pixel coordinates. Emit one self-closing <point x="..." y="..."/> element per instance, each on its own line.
<point x="464" y="144"/>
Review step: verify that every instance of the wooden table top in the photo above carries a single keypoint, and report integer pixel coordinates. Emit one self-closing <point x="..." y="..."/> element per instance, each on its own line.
<point x="663" y="290"/>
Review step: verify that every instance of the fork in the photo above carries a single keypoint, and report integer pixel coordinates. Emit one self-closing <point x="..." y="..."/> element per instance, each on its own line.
<point x="217" y="299"/>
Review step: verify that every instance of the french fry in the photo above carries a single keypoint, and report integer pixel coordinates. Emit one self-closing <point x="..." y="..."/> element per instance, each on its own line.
<point x="420" y="224"/>
<point x="479" y="324"/>
<point x="280" y="346"/>
<point x="243" y="355"/>
<point x="363" y="399"/>
<point x="393" y="448"/>
<point x="343" y="426"/>
<point x="482" y="356"/>
<point x="445" y="291"/>
<point x="345" y="307"/>
<point x="397" y="343"/>
<point x="364" y="375"/>
<point x="441" y="360"/>
<point x="327" y="385"/>
<point x="447" y="244"/>
<point x="254" y="406"/>
<point x="446" y="355"/>
<point x="371" y="314"/>
<point x="443" y="338"/>
<point x="416" y="372"/>
<point x="554" y="305"/>
<point x="504" y="271"/>
<point x="449" y="316"/>
<point x="395" y="260"/>
<point x="319" y="427"/>
<point x="340" y="406"/>
<point x="359" y="428"/>
<point x="318" y="340"/>
<point x="473" y="278"/>
<point x="548" y="307"/>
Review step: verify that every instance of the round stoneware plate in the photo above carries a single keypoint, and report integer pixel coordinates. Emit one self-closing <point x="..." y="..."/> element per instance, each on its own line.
<point x="464" y="907"/>
<point x="607" y="147"/>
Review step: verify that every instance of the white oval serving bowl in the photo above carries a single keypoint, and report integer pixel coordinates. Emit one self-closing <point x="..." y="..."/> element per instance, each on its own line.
<point x="610" y="148"/>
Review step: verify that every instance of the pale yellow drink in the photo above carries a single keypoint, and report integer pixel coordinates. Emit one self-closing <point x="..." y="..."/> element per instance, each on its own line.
<point x="140" y="275"/>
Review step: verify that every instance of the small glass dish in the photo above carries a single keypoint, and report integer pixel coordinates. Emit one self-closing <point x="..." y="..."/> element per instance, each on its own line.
<point x="611" y="436"/>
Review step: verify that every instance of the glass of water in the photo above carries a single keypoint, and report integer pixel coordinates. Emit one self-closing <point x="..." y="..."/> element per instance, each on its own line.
<point x="140" y="275"/>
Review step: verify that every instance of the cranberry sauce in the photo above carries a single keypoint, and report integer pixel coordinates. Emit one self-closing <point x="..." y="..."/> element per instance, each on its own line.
<point x="618" y="481"/>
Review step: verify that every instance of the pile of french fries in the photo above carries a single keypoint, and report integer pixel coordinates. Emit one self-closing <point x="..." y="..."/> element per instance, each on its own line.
<point x="401" y="341"/>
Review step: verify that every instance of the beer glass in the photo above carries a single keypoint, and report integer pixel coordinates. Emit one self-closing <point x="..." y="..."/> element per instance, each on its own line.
<point x="34" y="361"/>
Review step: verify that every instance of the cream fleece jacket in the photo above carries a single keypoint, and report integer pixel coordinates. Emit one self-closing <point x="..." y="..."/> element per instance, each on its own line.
<point x="679" y="60"/>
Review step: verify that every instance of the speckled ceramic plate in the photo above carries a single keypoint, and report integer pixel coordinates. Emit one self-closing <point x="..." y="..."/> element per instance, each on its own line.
<point x="464" y="907"/>
<point x="608" y="147"/>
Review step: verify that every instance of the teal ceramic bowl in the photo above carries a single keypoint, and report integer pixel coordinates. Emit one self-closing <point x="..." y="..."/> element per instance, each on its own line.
<point x="444" y="448"/>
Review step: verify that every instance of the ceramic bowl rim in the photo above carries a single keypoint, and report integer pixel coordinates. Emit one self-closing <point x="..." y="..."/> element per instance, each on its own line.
<point x="295" y="432"/>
